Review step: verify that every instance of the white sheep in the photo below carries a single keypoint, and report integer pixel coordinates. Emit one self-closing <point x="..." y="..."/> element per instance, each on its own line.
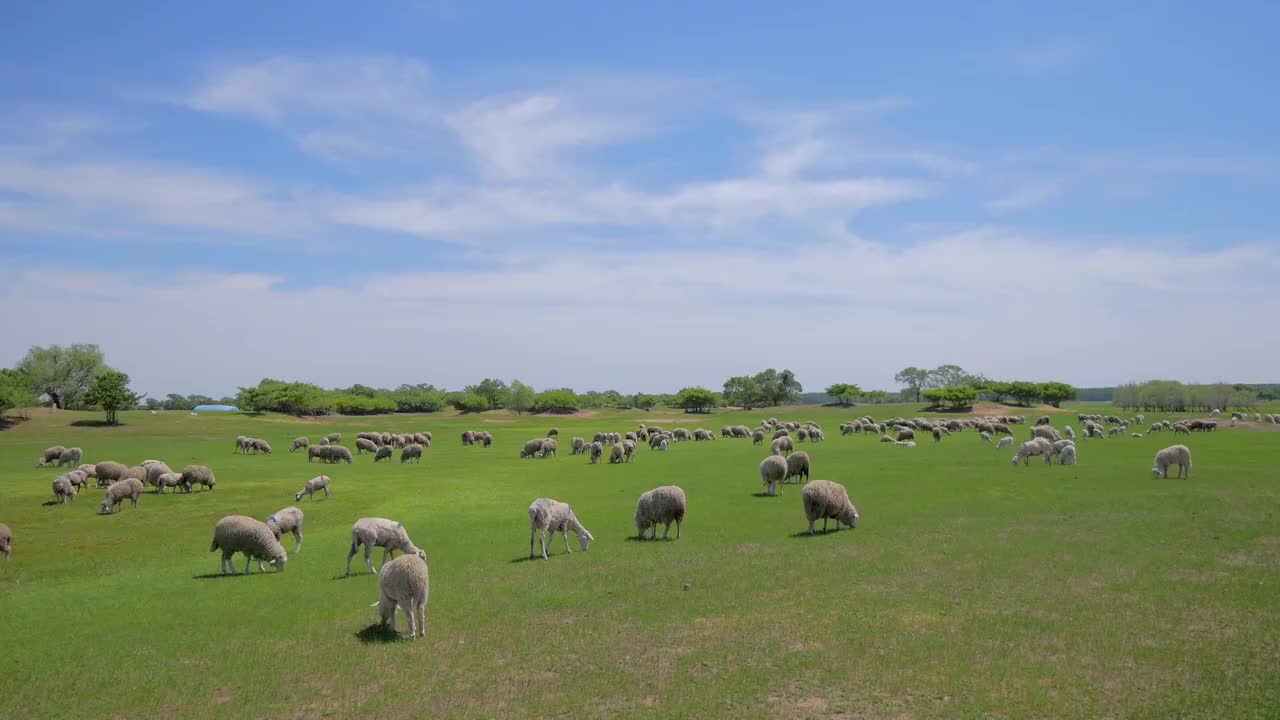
<point x="596" y="451"/>
<point x="662" y="505"/>
<point x="1179" y="455"/>
<point x="825" y="499"/>
<point x="380" y="532"/>
<point x="383" y="453"/>
<point x="287" y="520"/>
<point x="242" y="534"/>
<point x="63" y="490"/>
<point x="986" y="436"/>
<point x="412" y="451"/>
<point x="773" y="472"/>
<point x="50" y="454"/>
<point x="118" y="491"/>
<point x="405" y="583"/>
<point x="905" y="443"/>
<point x="313" y="486"/>
<point x="617" y="454"/>
<point x="1067" y="455"/>
<point x="169" y="480"/>
<point x="70" y="456"/>
<point x="1070" y="432"/>
<point x="6" y="542"/>
<point x="547" y="515"/>
<point x="1037" y="446"/>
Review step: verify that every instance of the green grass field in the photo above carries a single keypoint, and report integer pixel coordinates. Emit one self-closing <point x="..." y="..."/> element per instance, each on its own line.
<point x="970" y="589"/>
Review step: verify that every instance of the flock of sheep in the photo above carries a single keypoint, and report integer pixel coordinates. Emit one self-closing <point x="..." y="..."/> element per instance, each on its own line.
<point x="404" y="581"/>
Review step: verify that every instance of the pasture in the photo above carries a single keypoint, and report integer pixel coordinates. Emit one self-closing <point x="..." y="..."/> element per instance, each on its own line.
<point x="971" y="588"/>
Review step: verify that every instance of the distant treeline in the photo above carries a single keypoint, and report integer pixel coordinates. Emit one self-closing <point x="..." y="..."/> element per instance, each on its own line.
<point x="1173" y="396"/>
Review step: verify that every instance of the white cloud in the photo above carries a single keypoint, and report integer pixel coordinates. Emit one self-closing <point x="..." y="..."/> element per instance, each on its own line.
<point x="1028" y="195"/>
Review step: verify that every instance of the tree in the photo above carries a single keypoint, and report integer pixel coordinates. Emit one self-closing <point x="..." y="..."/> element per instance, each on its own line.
<point x="773" y="387"/>
<point x="1055" y="392"/>
<point x="912" y="378"/>
<point x="494" y="392"/>
<point x="62" y="373"/>
<point x="1024" y="392"/>
<point x="417" y="398"/>
<point x="743" y="391"/>
<point x="695" y="400"/>
<point x="643" y="401"/>
<point x="561" y="401"/>
<point x="875" y="396"/>
<point x="467" y="402"/>
<point x="947" y="376"/>
<point x="844" y="393"/>
<point x="520" y="398"/>
<point x="110" y="391"/>
<point x="15" y="390"/>
<point x="955" y="397"/>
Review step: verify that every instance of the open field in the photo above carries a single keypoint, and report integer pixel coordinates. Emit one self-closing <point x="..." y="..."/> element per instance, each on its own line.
<point x="970" y="589"/>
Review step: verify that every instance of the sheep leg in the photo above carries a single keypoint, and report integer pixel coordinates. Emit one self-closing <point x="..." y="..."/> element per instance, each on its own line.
<point x="565" y="534"/>
<point x="368" y="553"/>
<point x="297" y="534"/>
<point x="422" y="617"/>
<point x="350" y="554"/>
<point x="677" y="529"/>
<point x="542" y="540"/>
<point x="666" y="532"/>
<point x="824" y="526"/>
<point x="411" y="614"/>
<point x="531" y="534"/>
<point x="810" y="527"/>
<point x="248" y="565"/>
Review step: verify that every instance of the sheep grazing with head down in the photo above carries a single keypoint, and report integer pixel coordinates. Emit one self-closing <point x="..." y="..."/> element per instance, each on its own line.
<point x="595" y="450"/>
<point x="50" y="454"/>
<point x="823" y="500"/>
<point x="314" y="485"/>
<point x="1047" y="432"/>
<point x="405" y="583"/>
<point x="6" y="542"/>
<point x="1179" y="455"/>
<point x="299" y="443"/>
<point x="773" y="472"/>
<point x="334" y="438"/>
<point x="154" y="469"/>
<point x="69" y="456"/>
<point x="169" y="480"/>
<point x="986" y="437"/>
<point x="577" y="446"/>
<point x="1004" y="443"/>
<point x="617" y="454"/>
<point x="548" y="449"/>
<point x="411" y="453"/>
<point x="549" y="516"/>
<point x="287" y="520"/>
<point x="63" y="490"/>
<point x="660" y="506"/>
<point x="782" y="445"/>
<point x="127" y="488"/>
<point x="197" y="475"/>
<point x="757" y="437"/>
<point x="78" y="479"/>
<point x="383" y="453"/>
<point x="1067" y="455"/>
<point x="380" y="532"/>
<point x="531" y="448"/>
<point x="250" y="536"/>
<point x="1038" y="446"/>
<point x="364" y="445"/>
<point x="797" y="467"/>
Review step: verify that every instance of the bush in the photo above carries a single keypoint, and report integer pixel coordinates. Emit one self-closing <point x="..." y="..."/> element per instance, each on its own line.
<point x="560" y="402"/>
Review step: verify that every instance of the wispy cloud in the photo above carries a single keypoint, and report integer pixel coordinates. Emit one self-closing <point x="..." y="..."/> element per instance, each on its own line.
<point x="1027" y="195"/>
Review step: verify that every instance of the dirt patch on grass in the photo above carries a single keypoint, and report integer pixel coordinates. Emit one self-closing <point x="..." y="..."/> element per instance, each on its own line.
<point x="648" y="421"/>
<point x="496" y="420"/>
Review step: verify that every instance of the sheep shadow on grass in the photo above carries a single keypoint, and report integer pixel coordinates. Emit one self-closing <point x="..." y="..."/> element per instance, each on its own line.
<point x="215" y="576"/>
<point x="804" y="534"/>
<point x="647" y="539"/>
<point x="96" y="424"/>
<point x="378" y="634"/>
<point x="763" y="494"/>
<point x="51" y="503"/>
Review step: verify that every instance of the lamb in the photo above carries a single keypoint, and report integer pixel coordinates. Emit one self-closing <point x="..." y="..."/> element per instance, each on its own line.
<point x="797" y="466"/>
<point x="596" y="450"/>
<point x="383" y="453"/>
<point x="69" y="456"/>
<point x="1037" y="446"/>
<point x="577" y="446"/>
<point x="773" y="471"/>
<point x="757" y="437"/>
<point x="664" y="445"/>
<point x="1059" y="445"/>
<point x="6" y="541"/>
<point x="986" y="437"/>
<point x="380" y="532"/>
<point x="63" y="490"/>
<point x="197" y="475"/>
<point x="662" y="505"/>
<point x="50" y="454"/>
<point x="531" y="448"/>
<point x="1179" y="455"/>
<point x="405" y="584"/>
<point x="119" y="490"/>
<point x="1067" y="456"/>
<point x="299" y="443"/>
<point x="616" y="455"/>
<point x="547" y="515"/>
<point x="548" y="448"/>
<point x="364" y="445"/>
<point x="108" y="472"/>
<point x="287" y="520"/>
<point x="168" y="480"/>
<point x="412" y="452"/>
<point x="1069" y="432"/>
<point x="313" y="486"/>
<point x="825" y="499"/>
<point x="783" y="445"/>
<point x="242" y="534"/>
<point x="334" y="438"/>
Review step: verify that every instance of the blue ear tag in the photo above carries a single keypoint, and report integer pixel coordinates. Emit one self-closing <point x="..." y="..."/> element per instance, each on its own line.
<point x="399" y="525"/>
<point x="270" y="518"/>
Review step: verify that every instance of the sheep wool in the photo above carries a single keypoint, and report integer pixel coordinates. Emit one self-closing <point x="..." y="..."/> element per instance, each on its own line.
<point x="380" y="532"/>
<point x="547" y="515"/>
<point x="50" y="454"/>
<point x="287" y="520"/>
<point x="63" y="490"/>
<point x="70" y="456"/>
<point x="1179" y="455"/>
<point x="252" y="537"/>
<point x="1038" y="446"/>
<point x="662" y="505"/>
<point x="405" y="584"/>
<point x="773" y="472"/>
<point x="169" y="480"/>
<point x="108" y="472"/>
<point x="798" y="466"/>
<point x="313" y="486"/>
<point x="119" y="490"/>
<point x="823" y="500"/>
<point x="6" y="541"/>
<point x="197" y="475"/>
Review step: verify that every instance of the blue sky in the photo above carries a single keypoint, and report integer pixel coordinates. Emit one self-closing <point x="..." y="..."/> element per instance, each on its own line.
<point x="641" y="196"/>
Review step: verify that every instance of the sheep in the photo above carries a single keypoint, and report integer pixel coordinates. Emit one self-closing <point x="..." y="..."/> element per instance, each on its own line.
<point x="1045" y="431"/>
<point x="1136" y="435"/>
<point x="1037" y="446"/>
<point x="1179" y="455"/>
<point x="816" y="435"/>
<point x="797" y="466"/>
<point x="50" y="454"/>
<point x="617" y="454"/>
<point x="405" y="583"/>
<point x="780" y="432"/>
<point x="1059" y="445"/>
<point x="628" y="450"/>
<point x="154" y="470"/>
<point x="937" y="435"/>
<point x="468" y="438"/>
<point x="69" y="456"/>
<point x="663" y="505"/>
<point x="632" y="437"/>
<point x="825" y="499"/>
<point x="197" y="475"/>
<point x="364" y="445"/>
<point x="548" y="448"/>
<point x="906" y="434"/>
<point x="242" y="534"/>
<point x="412" y="451"/>
<point x="242" y="444"/>
<point x="108" y="472"/>
<point x="1001" y="429"/>
<point x="6" y="541"/>
<point x="90" y="471"/>
<point x="1114" y="432"/>
<point x="380" y="532"/>
<point x="553" y="432"/>
<point x="119" y="490"/>
<point x="63" y="490"/>
<point x="986" y="437"/>
<point x="1004" y="443"/>
<point x="757" y="437"/>
<point x="486" y="438"/>
<point x="260" y="446"/>
<point x="577" y="446"/>
<point x="1043" y="420"/>
<point x="383" y="453"/>
<point x="422" y="438"/>
<point x="168" y="480"/>
<point x="78" y="479"/>
<point x="773" y="472"/>
<point x="905" y="443"/>
<point x="334" y="438"/>
<point x="886" y="439"/>
<point x="596" y="450"/>
<point x="782" y="445"/>
<point x="664" y="445"/>
<point x="547" y="515"/>
<point x="1215" y="412"/>
<point x="287" y="520"/>
<point x="1069" y="432"/>
<point x="599" y="437"/>
<point x="1067" y="456"/>
<point x="313" y="486"/>
<point x="531" y="448"/>
<point x="802" y="435"/>
<point x="682" y="434"/>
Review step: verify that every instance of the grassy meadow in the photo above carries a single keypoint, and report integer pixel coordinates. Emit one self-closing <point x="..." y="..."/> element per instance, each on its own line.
<point x="970" y="589"/>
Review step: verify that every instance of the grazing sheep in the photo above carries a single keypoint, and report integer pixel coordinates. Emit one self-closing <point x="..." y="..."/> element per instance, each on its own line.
<point x="468" y="438"/>
<point x="1001" y="429"/>
<point x="782" y="445"/>
<point x="364" y="445"/>
<point x="6" y="541"/>
<point x="1038" y="446"/>
<point x="63" y="490"/>
<point x="154" y="470"/>
<point x="1059" y="445"/>
<point x="797" y="466"/>
<point x="49" y="455"/>
<point x="242" y="444"/>
<point x="127" y="488"/>
<point x="780" y="432"/>
<point x="664" y="445"/>
<point x="628" y="450"/>
<point x="632" y="437"/>
<point x="886" y="439"/>
<point x="258" y="446"/>
<point x="78" y="479"/>
<point x="547" y="515"/>
<point x="1136" y="435"/>
<point x="197" y="475"/>
<point x="1114" y="432"/>
<point x="69" y="456"/>
<point x="313" y="486"/>
<point x="596" y="450"/>
<point x="299" y="443"/>
<point x="1004" y="442"/>
<point x="318" y="451"/>
<point x="662" y="505"/>
<point x="577" y="446"/>
<point x="380" y="532"/>
<point x="773" y="472"/>
<point x="383" y="453"/>
<point x="937" y="435"/>
<point x="242" y="534"/>
<point x="1043" y="420"/>
<point x="553" y="432"/>
<point x="617" y="454"/>
<point x="802" y="435"/>
<point x="1215" y="412"/>
<point x="1179" y="455"/>
<point x="405" y="584"/>
<point x="757" y="437"/>
<point x="986" y="437"/>
<point x="1069" y="432"/>
<point x="287" y="520"/>
<point x="486" y="438"/>
<point x="334" y="438"/>
<point x="412" y="451"/>
<point x="169" y="480"/>
<point x="906" y="434"/>
<point x="531" y="448"/>
<point x="108" y="472"/>
<point x="548" y="448"/>
<point x="682" y="434"/>
<point x="905" y="443"/>
<point x="1046" y="432"/>
<point x="1067" y="456"/>
<point x="825" y="499"/>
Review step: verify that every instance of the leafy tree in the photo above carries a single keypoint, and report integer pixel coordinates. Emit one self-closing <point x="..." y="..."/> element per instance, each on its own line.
<point x="153" y="404"/>
<point x="560" y="401"/>
<point x="998" y="391"/>
<point x="467" y="402"/>
<point x="947" y="376"/>
<point x="844" y="393"/>
<point x="770" y="387"/>
<point x="875" y="396"/>
<point x="1024" y="392"/>
<point x="1055" y="392"/>
<point x="743" y="391"/>
<point x="494" y="392"/>
<point x="643" y="401"/>
<point x="110" y="391"/>
<point x="695" y="400"/>
<point x="956" y="396"/>
<point x="360" y="390"/>
<point x="520" y="397"/>
<point x="913" y="379"/>
<point x="62" y="373"/>
<point x="417" y="398"/>
<point x="360" y="404"/>
<point x="15" y="390"/>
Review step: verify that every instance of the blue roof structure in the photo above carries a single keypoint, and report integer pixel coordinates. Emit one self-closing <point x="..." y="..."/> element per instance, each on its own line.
<point x="216" y="408"/>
